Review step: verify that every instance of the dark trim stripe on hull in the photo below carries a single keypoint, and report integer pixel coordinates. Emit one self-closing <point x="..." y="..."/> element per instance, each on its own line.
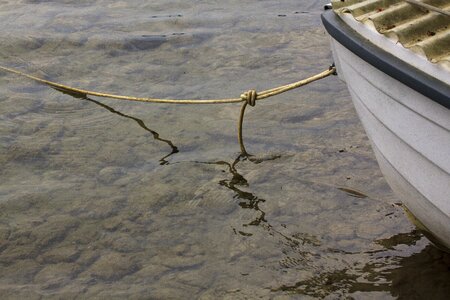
<point x="417" y="80"/>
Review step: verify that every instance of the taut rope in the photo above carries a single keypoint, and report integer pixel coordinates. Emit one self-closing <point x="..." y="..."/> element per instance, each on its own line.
<point x="248" y="98"/>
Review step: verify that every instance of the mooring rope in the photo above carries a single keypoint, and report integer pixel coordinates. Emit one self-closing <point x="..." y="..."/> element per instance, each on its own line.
<point x="248" y="98"/>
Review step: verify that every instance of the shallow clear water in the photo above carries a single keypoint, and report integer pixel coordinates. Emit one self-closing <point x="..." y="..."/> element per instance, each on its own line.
<point x="108" y="199"/>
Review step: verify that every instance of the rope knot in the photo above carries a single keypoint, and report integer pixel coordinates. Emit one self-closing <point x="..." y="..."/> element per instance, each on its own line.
<point x="250" y="97"/>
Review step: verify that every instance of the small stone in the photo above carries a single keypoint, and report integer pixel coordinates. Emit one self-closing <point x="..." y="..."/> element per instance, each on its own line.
<point x="195" y="277"/>
<point x="57" y="275"/>
<point x="16" y="252"/>
<point x="22" y="236"/>
<point x="168" y="288"/>
<point x="113" y="266"/>
<point x="111" y="224"/>
<point x="124" y="243"/>
<point x="99" y="209"/>
<point x="85" y="234"/>
<point x="54" y="230"/>
<point x="152" y="272"/>
<point x="185" y="262"/>
<point x="21" y="272"/>
<point x="4" y="232"/>
<point x="23" y="293"/>
<point x="61" y="254"/>
<point x="87" y="257"/>
<point x="110" y="174"/>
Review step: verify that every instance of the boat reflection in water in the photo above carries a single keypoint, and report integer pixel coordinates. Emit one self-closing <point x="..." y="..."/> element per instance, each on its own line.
<point x="408" y="278"/>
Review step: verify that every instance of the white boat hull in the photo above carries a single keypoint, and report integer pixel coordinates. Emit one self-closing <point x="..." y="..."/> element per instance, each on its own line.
<point x="410" y="135"/>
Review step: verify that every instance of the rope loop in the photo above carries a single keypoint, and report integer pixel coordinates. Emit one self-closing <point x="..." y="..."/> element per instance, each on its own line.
<point x="250" y="97"/>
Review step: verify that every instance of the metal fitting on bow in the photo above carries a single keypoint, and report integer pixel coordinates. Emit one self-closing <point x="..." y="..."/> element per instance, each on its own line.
<point x="333" y="66"/>
<point x="250" y="97"/>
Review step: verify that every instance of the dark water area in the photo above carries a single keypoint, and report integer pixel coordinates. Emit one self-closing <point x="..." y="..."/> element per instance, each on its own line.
<point x="106" y="199"/>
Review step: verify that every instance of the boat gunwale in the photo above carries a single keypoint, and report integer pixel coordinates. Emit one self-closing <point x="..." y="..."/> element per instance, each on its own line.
<point x="398" y="69"/>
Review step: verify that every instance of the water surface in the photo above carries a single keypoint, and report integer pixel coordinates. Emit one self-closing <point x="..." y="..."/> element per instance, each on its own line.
<point x="109" y="199"/>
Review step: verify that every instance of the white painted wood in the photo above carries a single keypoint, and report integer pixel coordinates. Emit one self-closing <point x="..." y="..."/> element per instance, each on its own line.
<point x="410" y="135"/>
<point x="437" y="222"/>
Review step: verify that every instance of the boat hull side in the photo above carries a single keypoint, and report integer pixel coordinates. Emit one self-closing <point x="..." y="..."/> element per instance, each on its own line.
<point x="412" y="149"/>
<point x="439" y="232"/>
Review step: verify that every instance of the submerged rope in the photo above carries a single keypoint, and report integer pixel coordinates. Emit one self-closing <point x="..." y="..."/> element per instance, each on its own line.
<point x="248" y="98"/>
